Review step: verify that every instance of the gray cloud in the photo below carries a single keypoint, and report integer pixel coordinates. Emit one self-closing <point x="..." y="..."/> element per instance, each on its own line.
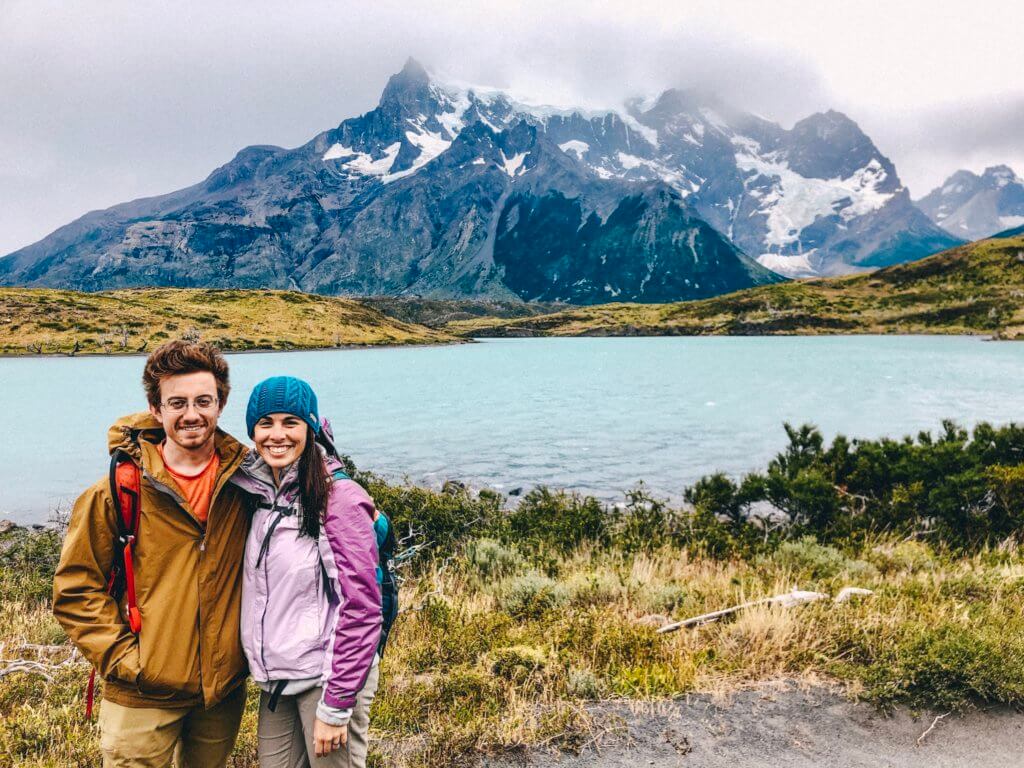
<point x="116" y="100"/>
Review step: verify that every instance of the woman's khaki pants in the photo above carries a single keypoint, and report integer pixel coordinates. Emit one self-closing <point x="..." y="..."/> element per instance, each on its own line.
<point x="286" y="734"/>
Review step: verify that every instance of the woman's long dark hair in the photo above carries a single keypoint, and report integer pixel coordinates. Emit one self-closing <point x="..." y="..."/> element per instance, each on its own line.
<point x="314" y="486"/>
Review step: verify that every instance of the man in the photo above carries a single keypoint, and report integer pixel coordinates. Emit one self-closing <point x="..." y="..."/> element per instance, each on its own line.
<point x="177" y="688"/>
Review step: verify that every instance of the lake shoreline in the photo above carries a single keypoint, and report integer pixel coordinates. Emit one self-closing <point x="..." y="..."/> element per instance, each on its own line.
<point x="477" y="339"/>
<point x="262" y="351"/>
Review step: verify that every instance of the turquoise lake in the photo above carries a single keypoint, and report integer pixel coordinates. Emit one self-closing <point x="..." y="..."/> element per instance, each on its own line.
<point x="596" y="415"/>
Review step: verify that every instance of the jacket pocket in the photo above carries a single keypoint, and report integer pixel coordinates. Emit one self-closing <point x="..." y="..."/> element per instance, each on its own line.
<point x="168" y="649"/>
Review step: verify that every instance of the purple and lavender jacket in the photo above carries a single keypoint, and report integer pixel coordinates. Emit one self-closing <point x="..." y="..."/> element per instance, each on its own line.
<point x="293" y="627"/>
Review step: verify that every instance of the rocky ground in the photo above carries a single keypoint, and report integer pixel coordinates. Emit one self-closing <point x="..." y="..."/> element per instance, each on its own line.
<point x="776" y="727"/>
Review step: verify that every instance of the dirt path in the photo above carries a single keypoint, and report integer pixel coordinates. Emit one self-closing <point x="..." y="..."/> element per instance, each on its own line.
<point x="792" y="729"/>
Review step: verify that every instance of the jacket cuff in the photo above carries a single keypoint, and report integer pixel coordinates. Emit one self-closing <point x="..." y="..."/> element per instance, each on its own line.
<point x="333" y="715"/>
<point x="335" y="702"/>
<point x="128" y="668"/>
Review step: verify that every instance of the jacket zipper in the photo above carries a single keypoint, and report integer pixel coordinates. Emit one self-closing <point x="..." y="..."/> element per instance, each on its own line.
<point x="266" y="602"/>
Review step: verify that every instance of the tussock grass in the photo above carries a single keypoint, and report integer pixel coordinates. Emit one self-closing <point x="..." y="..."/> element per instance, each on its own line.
<point x="481" y="662"/>
<point x="518" y="622"/>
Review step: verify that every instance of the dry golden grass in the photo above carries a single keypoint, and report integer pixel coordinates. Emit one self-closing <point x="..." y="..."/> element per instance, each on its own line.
<point x="498" y="649"/>
<point x="115" y="322"/>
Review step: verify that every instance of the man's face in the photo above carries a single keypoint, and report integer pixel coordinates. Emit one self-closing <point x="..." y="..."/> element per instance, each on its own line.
<point x="185" y="420"/>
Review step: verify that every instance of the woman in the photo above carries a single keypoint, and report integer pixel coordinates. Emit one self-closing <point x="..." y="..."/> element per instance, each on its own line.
<point x="311" y="592"/>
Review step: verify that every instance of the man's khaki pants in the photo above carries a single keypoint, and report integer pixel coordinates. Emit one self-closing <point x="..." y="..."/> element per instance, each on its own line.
<point x="133" y="737"/>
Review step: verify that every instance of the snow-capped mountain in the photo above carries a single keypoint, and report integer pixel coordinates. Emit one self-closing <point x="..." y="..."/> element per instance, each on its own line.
<point x="973" y="207"/>
<point x="459" y="191"/>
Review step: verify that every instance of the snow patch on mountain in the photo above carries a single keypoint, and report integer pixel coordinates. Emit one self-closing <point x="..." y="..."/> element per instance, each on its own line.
<point x="430" y="146"/>
<point x="580" y="148"/>
<point x="361" y="162"/>
<point x="793" y="202"/>
<point x="798" y="265"/>
<point x="513" y="165"/>
<point x="650" y="134"/>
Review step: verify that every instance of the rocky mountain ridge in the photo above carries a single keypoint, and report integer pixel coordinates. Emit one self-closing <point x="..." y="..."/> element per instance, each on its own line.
<point x="455" y="192"/>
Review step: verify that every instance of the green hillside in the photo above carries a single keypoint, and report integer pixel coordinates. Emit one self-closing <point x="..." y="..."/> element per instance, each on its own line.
<point x="973" y="289"/>
<point x="42" y="321"/>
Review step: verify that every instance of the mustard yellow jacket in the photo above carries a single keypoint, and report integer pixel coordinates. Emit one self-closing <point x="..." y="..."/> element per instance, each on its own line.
<point x="188" y="582"/>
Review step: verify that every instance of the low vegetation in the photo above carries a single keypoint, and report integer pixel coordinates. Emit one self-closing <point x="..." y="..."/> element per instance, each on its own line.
<point x="517" y="620"/>
<point x="436" y="313"/>
<point x="974" y="289"/>
<point x="44" y="321"/>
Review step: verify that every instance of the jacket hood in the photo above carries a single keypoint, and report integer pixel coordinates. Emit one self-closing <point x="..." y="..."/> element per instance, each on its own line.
<point x="128" y="432"/>
<point x="125" y="433"/>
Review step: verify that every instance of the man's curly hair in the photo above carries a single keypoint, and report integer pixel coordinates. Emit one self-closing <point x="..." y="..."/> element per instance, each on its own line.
<point x="178" y="357"/>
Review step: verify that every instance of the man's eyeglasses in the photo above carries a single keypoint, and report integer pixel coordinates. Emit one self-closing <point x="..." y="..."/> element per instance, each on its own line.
<point x="180" y="404"/>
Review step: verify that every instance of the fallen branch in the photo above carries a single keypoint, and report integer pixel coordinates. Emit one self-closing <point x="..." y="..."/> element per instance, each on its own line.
<point x="41" y="665"/>
<point x="931" y="727"/>
<point x="786" y="600"/>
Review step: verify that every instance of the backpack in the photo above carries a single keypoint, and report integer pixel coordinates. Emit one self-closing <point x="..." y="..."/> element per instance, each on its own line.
<point x="125" y="492"/>
<point x="385" y="575"/>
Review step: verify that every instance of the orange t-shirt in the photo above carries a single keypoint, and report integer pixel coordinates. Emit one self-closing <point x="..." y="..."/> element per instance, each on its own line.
<point x="197" y="489"/>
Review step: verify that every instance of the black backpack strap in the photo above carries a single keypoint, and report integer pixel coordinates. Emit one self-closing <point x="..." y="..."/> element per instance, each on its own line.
<point x="275" y="694"/>
<point x="282" y="512"/>
<point x="332" y="596"/>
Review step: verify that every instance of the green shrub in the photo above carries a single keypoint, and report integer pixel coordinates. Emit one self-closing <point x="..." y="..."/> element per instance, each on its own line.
<point x="516" y="663"/>
<point x="583" y="684"/>
<point x="491" y="559"/>
<point x="949" y="667"/>
<point x="28" y="560"/>
<point x="559" y="519"/>
<point x="530" y="596"/>
<point x="807" y="558"/>
<point x="908" y="556"/>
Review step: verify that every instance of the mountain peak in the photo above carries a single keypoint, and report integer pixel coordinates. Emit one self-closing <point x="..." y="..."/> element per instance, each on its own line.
<point x="410" y="85"/>
<point x="829" y="125"/>
<point x="684" y="100"/>
<point x="1001" y="174"/>
<point x="412" y="69"/>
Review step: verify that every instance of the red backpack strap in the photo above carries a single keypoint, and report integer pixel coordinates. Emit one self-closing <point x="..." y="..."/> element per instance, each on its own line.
<point x="127" y="493"/>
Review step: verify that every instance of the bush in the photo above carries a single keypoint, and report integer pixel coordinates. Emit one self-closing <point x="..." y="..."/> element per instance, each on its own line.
<point x="531" y="596"/>
<point x="491" y="559"/>
<point x="558" y="519"/>
<point x="949" y="667"/>
<point x="812" y="560"/>
<point x="664" y="598"/>
<point x="516" y="663"/>
<point x="967" y="490"/>
<point x="908" y="556"/>
<point x="28" y="560"/>
<point x="583" y="684"/>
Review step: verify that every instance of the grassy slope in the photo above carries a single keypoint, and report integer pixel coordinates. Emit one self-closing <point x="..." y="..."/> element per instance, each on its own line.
<point x="976" y="289"/>
<point x="436" y="313"/>
<point x="492" y="653"/>
<point x="234" y="319"/>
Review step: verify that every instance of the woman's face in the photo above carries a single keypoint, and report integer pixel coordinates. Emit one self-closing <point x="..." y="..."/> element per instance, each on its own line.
<point x="280" y="439"/>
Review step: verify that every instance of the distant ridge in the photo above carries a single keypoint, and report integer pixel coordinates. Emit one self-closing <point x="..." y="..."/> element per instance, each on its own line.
<point x="973" y="289"/>
<point x="461" y="192"/>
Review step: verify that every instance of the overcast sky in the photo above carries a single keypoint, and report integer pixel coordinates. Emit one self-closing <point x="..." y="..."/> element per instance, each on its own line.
<point x="109" y="101"/>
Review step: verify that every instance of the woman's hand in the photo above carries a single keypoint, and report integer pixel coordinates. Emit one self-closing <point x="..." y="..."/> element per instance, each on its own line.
<point x="327" y="738"/>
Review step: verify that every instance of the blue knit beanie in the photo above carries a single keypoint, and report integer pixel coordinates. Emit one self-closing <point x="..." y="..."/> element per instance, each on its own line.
<point x="282" y="394"/>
